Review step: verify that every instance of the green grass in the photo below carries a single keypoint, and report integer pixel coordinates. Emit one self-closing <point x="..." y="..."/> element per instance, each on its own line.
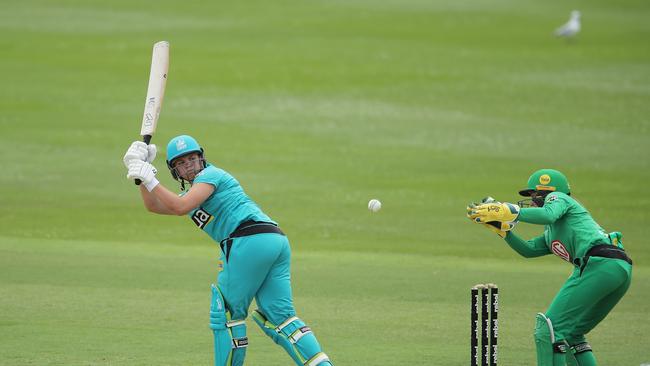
<point x="316" y="107"/>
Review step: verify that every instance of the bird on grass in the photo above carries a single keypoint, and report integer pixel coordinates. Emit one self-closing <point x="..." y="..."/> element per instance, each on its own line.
<point x="570" y="28"/>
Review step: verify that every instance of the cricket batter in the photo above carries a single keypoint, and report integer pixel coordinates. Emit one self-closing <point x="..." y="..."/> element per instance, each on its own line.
<point x="602" y="270"/>
<point x="255" y="253"/>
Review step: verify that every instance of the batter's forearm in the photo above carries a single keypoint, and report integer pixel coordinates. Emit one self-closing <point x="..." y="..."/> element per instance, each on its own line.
<point x="170" y="200"/>
<point x="529" y="249"/>
<point x="181" y="205"/>
<point x="152" y="203"/>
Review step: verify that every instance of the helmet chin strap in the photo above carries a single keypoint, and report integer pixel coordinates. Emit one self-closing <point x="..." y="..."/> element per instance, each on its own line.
<point x="182" y="182"/>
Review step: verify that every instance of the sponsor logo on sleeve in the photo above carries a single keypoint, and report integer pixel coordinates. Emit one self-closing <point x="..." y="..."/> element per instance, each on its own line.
<point x="201" y="218"/>
<point x="560" y="250"/>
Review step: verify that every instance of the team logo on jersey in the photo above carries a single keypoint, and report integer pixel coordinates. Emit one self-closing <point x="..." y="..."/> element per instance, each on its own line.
<point x="551" y="198"/>
<point x="560" y="250"/>
<point x="201" y="218"/>
<point x="545" y="179"/>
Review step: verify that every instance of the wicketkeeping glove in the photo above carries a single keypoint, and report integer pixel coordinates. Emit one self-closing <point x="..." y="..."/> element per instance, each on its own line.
<point x="139" y="151"/>
<point x="144" y="171"/>
<point x="493" y="211"/>
<point x="499" y="227"/>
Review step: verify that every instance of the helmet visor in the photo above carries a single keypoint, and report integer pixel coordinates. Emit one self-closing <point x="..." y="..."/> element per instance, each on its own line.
<point x="526" y="192"/>
<point x="187" y="166"/>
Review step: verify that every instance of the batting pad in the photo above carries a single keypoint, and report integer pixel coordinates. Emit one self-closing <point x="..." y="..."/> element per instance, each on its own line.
<point x="230" y="339"/>
<point x="296" y="338"/>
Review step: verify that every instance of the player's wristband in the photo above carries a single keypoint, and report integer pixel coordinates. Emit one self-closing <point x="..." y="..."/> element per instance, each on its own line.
<point x="152" y="184"/>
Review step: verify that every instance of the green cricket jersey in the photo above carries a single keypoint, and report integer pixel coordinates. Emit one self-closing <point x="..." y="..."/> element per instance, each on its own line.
<point x="569" y="229"/>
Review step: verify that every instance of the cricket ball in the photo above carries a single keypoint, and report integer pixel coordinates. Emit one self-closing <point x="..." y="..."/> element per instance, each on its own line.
<point x="374" y="205"/>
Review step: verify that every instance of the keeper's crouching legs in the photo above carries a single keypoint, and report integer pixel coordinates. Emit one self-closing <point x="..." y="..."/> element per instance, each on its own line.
<point x="296" y="338"/>
<point x="582" y="354"/>
<point x="230" y="339"/>
<point x="550" y="351"/>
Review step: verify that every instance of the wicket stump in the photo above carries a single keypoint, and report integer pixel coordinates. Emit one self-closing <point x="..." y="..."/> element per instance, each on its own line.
<point x="487" y="297"/>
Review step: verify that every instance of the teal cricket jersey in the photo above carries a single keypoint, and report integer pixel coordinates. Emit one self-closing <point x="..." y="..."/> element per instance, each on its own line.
<point x="226" y="208"/>
<point x="569" y="229"/>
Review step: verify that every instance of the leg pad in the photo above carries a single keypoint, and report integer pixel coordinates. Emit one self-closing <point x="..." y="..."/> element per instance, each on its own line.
<point x="296" y="338"/>
<point x="550" y="352"/>
<point x="230" y="340"/>
<point x="581" y="347"/>
<point x="583" y="354"/>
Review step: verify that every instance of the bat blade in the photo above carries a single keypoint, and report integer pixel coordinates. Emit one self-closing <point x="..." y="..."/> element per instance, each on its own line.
<point x="155" y="91"/>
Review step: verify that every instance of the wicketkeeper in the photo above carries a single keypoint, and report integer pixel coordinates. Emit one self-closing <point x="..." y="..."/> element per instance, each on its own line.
<point x="255" y="253"/>
<point x="602" y="269"/>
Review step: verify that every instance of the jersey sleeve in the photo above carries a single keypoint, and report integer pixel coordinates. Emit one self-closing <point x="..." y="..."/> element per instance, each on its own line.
<point x="535" y="247"/>
<point x="209" y="175"/>
<point x="555" y="206"/>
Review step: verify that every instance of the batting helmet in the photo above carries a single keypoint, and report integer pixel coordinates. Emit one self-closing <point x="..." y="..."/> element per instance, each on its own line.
<point x="180" y="146"/>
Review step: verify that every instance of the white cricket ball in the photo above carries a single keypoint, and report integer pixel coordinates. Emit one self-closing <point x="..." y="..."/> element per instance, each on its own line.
<point x="374" y="205"/>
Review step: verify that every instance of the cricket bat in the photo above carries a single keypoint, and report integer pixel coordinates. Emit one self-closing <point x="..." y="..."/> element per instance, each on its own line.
<point x="155" y="91"/>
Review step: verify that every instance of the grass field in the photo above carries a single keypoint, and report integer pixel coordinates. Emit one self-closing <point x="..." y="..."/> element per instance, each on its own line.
<point x="316" y="107"/>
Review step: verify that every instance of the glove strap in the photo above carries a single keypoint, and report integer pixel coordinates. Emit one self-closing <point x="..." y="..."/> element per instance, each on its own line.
<point x="152" y="184"/>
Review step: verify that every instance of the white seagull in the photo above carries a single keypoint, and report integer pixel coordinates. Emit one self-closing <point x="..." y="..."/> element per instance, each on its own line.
<point x="571" y="28"/>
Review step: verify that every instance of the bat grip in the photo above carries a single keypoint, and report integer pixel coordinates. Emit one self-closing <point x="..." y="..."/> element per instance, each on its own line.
<point x="147" y="140"/>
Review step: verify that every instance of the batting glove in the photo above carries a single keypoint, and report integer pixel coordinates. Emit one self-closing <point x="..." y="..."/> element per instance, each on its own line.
<point x="144" y="171"/>
<point x="139" y="151"/>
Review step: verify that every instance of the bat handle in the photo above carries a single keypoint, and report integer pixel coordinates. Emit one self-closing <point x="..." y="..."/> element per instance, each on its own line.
<point x="147" y="140"/>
